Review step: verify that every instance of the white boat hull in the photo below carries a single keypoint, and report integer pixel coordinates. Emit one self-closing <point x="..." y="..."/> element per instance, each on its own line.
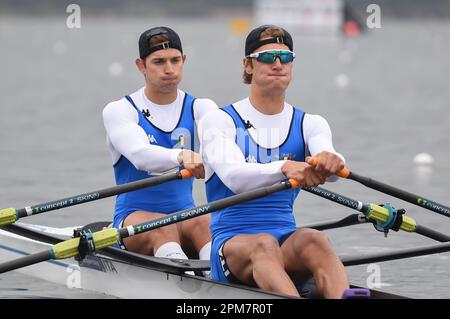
<point x="117" y="278"/>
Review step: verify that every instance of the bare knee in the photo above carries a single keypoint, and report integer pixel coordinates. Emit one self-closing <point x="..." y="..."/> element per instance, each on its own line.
<point x="265" y="245"/>
<point x="313" y="241"/>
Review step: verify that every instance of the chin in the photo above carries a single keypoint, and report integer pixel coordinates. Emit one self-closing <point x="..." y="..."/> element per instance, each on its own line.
<point x="279" y="86"/>
<point x="168" y="86"/>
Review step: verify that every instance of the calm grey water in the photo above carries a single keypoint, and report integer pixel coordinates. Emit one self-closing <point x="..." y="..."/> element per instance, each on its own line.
<point x="55" y="82"/>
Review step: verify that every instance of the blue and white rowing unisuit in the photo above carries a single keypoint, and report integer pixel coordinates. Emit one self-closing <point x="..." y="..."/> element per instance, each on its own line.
<point x="271" y="214"/>
<point x="165" y="198"/>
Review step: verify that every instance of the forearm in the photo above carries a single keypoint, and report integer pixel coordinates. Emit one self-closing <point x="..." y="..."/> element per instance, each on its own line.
<point x="131" y="141"/>
<point x="229" y="164"/>
<point x="153" y="159"/>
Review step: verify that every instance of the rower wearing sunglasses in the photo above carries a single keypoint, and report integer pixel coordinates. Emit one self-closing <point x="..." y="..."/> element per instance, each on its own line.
<point x="256" y="142"/>
<point x="151" y="132"/>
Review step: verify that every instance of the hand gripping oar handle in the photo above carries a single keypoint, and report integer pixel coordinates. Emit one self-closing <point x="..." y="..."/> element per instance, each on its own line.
<point x="393" y="191"/>
<point x="111" y="236"/>
<point x="344" y="173"/>
<point x="10" y="215"/>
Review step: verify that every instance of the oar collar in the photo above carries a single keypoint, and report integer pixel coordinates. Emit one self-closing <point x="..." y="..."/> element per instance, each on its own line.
<point x="86" y="245"/>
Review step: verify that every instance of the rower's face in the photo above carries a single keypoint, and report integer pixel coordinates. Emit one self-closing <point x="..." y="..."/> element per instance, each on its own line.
<point x="276" y="76"/>
<point x="163" y="69"/>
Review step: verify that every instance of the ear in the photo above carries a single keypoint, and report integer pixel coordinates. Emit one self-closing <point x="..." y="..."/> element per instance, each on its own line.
<point x="140" y="65"/>
<point x="248" y="65"/>
<point x="184" y="58"/>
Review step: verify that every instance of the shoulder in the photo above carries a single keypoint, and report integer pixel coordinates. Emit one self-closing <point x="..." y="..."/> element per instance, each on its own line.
<point x="205" y="104"/>
<point x="243" y="105"/>
<point x="119" y="108"/>
<point x="315" y="120"/>
<point x="217" y="118"/>
<point x="315" y="125"/>
<point x="202" y="107"/>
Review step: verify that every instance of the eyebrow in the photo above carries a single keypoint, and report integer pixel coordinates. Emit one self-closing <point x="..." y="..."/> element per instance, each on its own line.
<point x="165" y="58"/>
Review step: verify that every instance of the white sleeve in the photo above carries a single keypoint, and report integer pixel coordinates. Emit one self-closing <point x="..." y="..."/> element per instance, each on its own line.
<point x="130" y="140"/>
<point x="318" y="137"/>
<point x="222" y="155"/>
<point x="202" y="107"/>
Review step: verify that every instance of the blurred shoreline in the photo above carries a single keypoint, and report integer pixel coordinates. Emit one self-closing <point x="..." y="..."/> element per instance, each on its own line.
<point x="399" y="9"/>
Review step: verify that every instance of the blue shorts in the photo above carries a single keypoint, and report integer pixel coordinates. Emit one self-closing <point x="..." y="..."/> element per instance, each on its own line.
<point x="219" y="267"/>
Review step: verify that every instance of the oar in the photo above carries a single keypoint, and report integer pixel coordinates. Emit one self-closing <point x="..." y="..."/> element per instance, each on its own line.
<point x="386" y="217"/>
<point x="393" y="191"/>
<point x="111" y="236"/>
<point x="397" y="254"/>
<point x="350" y="220"/>
<point x="10" y="215"/>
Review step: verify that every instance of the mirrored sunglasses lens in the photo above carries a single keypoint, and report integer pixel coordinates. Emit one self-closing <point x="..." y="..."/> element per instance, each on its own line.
<point x="270" y="57"/>
<point x="286" y="57"/>
<point x="266" y="57"/>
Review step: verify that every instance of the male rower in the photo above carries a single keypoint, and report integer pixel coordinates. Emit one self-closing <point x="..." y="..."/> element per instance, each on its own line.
<point x="256" y="142"/>
<point x="150" y="132"/>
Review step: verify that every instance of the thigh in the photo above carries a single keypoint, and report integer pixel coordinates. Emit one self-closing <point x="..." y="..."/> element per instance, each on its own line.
<point x="144" y="243"/>
<point x="291" y="249"/>
<point x="195" y="233"/>
<point x="237" y="252"/>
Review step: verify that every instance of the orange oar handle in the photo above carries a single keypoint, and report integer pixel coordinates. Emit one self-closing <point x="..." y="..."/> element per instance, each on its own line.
<point x="294" y="183"/>
<point x="345" y="172"/>
<point x="185" y="174"/>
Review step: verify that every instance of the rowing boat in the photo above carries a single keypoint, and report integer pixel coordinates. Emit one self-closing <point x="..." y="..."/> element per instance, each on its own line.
<point x="125" y="274"/>
<point x="89" y="262"/>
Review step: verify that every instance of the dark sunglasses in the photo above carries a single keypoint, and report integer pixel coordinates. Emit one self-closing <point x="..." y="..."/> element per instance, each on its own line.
<point x="270" y="56"/>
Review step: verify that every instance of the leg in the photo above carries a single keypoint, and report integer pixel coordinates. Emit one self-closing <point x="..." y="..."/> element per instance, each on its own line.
<point x="257" y="260"/>
<point x="148" y="243"/>
<point x="309" y="251"/>
<point x="194" y="234"/>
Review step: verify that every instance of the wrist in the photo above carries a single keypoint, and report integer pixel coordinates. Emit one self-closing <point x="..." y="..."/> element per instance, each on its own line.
<point x="180" y="157"/>
<point x="284" y="167"/>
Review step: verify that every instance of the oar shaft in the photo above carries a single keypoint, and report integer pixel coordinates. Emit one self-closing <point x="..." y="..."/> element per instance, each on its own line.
<point x="25" y="261"/>
<point x="110" y="236"/>
<point x="10" y="215"/>
<point x="372" y="211"/>
<point x="394" y="255"/>
<point x="353" y="219"/>
<point x="431" y="233"/>
<point x="337" y="198"/>
<point x="391" y="190"/>
<point x="99" y="194"/>
<point x="404" y="195"/>
<point x="205" y="209"/>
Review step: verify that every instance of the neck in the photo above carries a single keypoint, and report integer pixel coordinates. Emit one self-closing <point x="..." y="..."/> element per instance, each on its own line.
<point x="161" y="98"/>
<point x="270" y="104"/>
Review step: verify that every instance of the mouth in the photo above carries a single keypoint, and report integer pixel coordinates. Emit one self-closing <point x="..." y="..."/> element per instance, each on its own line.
<point x="169" y="79"/>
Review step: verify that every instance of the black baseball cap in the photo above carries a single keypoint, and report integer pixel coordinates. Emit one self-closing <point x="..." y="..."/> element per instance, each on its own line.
<point x="253" y="39"/>
<point x="144" y="45"/>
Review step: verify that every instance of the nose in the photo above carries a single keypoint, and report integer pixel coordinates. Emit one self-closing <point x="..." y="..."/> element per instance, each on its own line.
<point x="277" y="63"/>
<point x="168" y="67"/>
